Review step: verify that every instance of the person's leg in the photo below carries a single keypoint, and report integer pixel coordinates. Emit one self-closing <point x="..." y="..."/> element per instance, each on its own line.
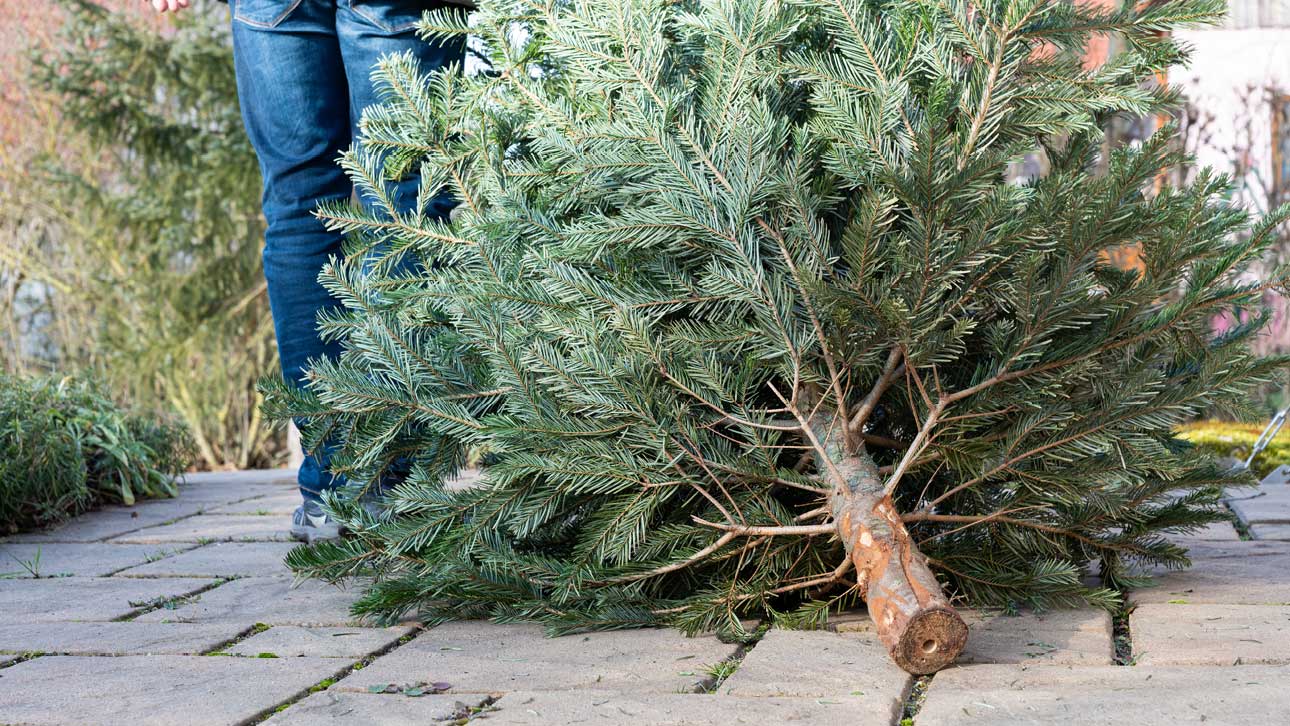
<point x="370" y="29"/>
<point x="295" y="102"/>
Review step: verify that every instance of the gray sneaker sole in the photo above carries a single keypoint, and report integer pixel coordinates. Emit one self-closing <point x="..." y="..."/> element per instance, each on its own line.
<point x="309" y="534"/>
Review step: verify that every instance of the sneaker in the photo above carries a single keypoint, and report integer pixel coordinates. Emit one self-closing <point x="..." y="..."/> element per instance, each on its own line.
<point x="310" y="524"/>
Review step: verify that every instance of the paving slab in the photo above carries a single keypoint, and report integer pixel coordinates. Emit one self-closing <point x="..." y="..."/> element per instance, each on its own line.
<point x="170" y="509"/>
<point x="484" y="657"/>
<point x="588" y="708"/>
<point x="1080" y="637"/>
<point x="821" y="664"/>
<point x="102" y="524"/>
<point x="292" y="641"/>
<point x="1279" y="532"/>
<point x="1237" y="573"/>
<point x="271" y="505"/>
<point x="219" y="559"/>
<point x="1056" y="636"/>
<point x="59" y="559"/>
<point x="158" y="690"/>
<point x="1279" y="476"/>
<point x="87" y="598"/>
<point x="268" y="600"/>
<point x="128" y="638"/>
<point x="210" y="496"/>
<point x="1212" y="532"/>
<point x="335" y="708"/>
<point x="1166" y="634"/>
<point x="275" y="477"/>
<point x="1106" y="696"/>
<point x="1270" y="504"/>
<point x="215" y="527"/>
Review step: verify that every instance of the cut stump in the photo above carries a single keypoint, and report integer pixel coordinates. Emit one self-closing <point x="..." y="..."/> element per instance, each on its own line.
<point x="911" y="614"/>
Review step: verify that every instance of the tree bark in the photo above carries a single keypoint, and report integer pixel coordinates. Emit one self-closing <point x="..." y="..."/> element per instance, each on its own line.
<point x="912" y="616"/>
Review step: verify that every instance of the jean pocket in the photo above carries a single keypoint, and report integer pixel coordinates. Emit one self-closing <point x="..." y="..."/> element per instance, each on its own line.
<point x="392" y="16"/>
<point x="263" y="13"/>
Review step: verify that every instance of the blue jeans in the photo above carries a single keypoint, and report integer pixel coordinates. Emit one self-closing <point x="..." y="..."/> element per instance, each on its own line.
<point x="303" y="81"/>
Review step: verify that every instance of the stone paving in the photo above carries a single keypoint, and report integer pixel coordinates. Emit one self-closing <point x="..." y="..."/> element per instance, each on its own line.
<point x="182" y="612"/>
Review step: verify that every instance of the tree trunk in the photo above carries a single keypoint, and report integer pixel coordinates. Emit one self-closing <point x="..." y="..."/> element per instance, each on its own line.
<point x="913" y="617"/>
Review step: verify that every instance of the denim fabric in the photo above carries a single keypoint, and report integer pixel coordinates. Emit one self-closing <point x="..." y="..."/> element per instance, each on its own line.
<point x="303" y="80"/>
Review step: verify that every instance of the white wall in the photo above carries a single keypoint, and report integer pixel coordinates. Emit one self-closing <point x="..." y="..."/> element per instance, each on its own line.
<point x="1228" y="71"/>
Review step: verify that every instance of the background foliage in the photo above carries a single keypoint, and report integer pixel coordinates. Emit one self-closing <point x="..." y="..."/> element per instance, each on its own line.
<point x="65" y="447"/>
<point x="1236" y="440"/>
<point x="133" y="226"/>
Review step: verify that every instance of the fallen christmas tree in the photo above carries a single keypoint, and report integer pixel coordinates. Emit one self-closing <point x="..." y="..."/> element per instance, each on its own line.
<point x="749" y="320"/>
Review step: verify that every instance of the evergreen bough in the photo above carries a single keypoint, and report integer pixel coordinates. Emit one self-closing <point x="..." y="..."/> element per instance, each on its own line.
<point x="749" y="319"/>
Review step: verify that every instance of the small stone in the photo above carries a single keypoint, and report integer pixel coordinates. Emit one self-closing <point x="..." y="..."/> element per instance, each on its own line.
<point x="820" y="664"/>
<point x="157" y="690"/>
<point x="269" y="600"/>
<point x="59" y="559"/>
<point x="220" y="559"/>
<point x="87" y="598"/>
<point x="216" y="527"/>
<point x="1052" y="695"/>
<point x="1166" y="634"/>
<point x="485" y="657"/>
<point x="126" y="638"/>
<point x="587" y="708"/>
<point x="333" y="708"/>
<point x="290" y="641"/>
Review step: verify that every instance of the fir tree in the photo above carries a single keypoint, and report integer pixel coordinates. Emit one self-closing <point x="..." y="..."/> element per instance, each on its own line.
<point x="741" y="301"/>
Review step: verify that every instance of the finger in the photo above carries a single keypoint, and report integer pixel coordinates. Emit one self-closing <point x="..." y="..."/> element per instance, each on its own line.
<point x="183" y="3"/>
<point x="159" y="5"/>
<point x="173" y="4"/>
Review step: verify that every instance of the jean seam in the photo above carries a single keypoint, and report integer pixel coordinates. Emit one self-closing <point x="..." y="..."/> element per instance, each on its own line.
<point x="357" y="8"/>
<point x="271" y="24"/>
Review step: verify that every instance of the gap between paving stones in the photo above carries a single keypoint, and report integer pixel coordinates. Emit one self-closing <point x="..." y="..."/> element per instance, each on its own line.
<point x="167" y="553"/>
<point x="14" y="660"/>
<point x="340" y="675"/>
<point x="222" y="648"/>
<point x="915" y="694"/>
<point x="1122" y="633"/>
<point x="721" y="670"/>
<point x="172" y="600"/>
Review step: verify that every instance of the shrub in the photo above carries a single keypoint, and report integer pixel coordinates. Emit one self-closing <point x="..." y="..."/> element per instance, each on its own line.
<point x="134" y="247"/>
<point x="1225" y="438"/>
<point x="65" y="447"/>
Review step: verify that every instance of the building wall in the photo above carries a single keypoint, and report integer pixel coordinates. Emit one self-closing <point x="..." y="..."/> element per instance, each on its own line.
<point x="1230" y="83"/>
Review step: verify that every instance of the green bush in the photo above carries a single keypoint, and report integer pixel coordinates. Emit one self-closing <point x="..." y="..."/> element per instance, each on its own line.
<point x="1225" y="438"/>
<point x="136" y="256"/>
<point x="65" y="447"/>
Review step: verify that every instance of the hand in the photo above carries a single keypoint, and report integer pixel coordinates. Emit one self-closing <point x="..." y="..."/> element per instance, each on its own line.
<point x="162" y="6"/>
